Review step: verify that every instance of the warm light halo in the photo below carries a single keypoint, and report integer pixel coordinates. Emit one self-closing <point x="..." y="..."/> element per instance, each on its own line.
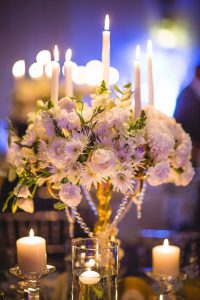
<point x="107" y="23"/>
<point x="149" y="47"/>
<point x="43" y="57"/>
<point x="18" y="69"/>
<point x="137" y="53"/>
<point x="166" y="243"/>
<point x="31" y="232"/>
<point x="68" y="55"/>
<point x="36" y="70"/>
<point x="56" y="53"/>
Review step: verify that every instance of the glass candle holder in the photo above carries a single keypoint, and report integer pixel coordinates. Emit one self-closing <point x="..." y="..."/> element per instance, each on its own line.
<point x="94" y="269"/>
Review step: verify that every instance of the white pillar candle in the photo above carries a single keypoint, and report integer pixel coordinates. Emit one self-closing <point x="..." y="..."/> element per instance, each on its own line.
<point x="68" y="75"/>
<point x="166" y="260"/>
<point x="55" y="75"/>
<point x="137" y="92"/>
<point x="31" y="254"/>
<point x="150" y="72"/>
<point x="89" y="277"/>
<point x="106" y="51"/>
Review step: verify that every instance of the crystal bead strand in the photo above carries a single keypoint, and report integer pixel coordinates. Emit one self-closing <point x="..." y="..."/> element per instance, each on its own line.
<point x="139" y="200"/>
<point x="126" y="210"/>
<point x="89" y="199"/>
<point x="82" y="223"/>
<point x="120" y="210"/>
<point x="71" y="222"/>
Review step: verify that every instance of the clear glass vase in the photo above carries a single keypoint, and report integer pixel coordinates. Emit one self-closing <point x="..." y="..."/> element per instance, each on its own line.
<point x="94" y="269"/>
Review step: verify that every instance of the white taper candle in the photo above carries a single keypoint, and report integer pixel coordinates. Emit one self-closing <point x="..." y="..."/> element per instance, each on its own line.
<point x="55" y="75"/>
<point x="68" y="75"/>
<point x="106" y="50"/>
<point x="137" y="92"/>
<point x="150" y="71"/>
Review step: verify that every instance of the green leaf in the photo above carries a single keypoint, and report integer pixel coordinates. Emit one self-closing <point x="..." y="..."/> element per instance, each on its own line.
<point x="10" y="196"/>
<point x="98" y="290"/>
<point x="65" y="180"/>
<point x="50" y="104"/>
<point x="103" y="88"/>
<point x="59" y="205"/>
<point x="117" y="89"/>
<point x="128" y="85"/>
<point x="140" y="123"/>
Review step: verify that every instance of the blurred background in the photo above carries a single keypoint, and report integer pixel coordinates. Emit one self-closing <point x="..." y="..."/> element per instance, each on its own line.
<point x="28" y="27"/>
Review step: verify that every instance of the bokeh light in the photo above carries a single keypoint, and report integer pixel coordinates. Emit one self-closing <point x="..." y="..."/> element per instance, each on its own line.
<point x="19" y="69"/>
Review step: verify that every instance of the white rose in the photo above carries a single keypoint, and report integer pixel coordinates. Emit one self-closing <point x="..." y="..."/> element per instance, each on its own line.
<point x="70" y="194"/>
<point x="159" y="173"/>
<point x="181" y="156"/>
<point x="22" y="191"/>
<point x="55" y="151"/>
<point x="68" y="121"/>
<point x="103" y="161"/>
<point x="67" y="104"/>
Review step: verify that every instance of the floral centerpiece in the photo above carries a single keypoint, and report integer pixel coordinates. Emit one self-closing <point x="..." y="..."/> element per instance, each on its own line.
<point x="72" y="148"/>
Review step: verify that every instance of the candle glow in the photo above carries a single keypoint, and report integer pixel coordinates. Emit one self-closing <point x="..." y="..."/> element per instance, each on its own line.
<point x="18" y="69"/>
<point x="43" y="57"/>
<point x="166" y="243"/>
<point x="107" y="23"/>
<point x="31" y="253"/>
<point x="89" y="277"/>
<point x="36" y="70"/>
<point x="149" y="47"/>
<point x="166" y="259"/>
<point x="31" y="232"/>
<point x="137" y="52"/>
<point x="56" y="53"/>
<point x="68" y="55"/>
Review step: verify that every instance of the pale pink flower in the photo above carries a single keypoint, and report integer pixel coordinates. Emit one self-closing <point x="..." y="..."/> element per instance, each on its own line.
<point x="74" y="172"/>
<point x="68" y="121"/>
<point x="90" y="177"/>
<point x="47" y="124"/>
<point x="56" y="150"/>
<point x="102" y="100"/>
<point x="14" y="154"/>
<point x="75" y="146"/>
<point x="70" y="194"/>
<point x="57" y="174"/>
<point x="22" y="191"/>
<point x="30" y="137"/>
<point x="26" y="204"/>
<point x="67" y="104"/>
<point x="122" y="181"/>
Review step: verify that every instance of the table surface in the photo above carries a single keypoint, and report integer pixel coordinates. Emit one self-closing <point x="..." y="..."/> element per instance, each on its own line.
<point x="54" y="287"/>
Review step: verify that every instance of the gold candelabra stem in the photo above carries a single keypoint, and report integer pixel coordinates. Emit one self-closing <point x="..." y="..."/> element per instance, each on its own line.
<point x="104" y="195"/>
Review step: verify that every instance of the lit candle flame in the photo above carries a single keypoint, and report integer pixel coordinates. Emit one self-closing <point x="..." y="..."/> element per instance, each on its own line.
<point x="149" y="47"/>
<point x="137" y="52"/>
<point x="56" y="53"/>
<point x="68" y="55"/>
<point x="31" y="233"/>
<point x="107" y="23"/>
<point x="166" y="243"/>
